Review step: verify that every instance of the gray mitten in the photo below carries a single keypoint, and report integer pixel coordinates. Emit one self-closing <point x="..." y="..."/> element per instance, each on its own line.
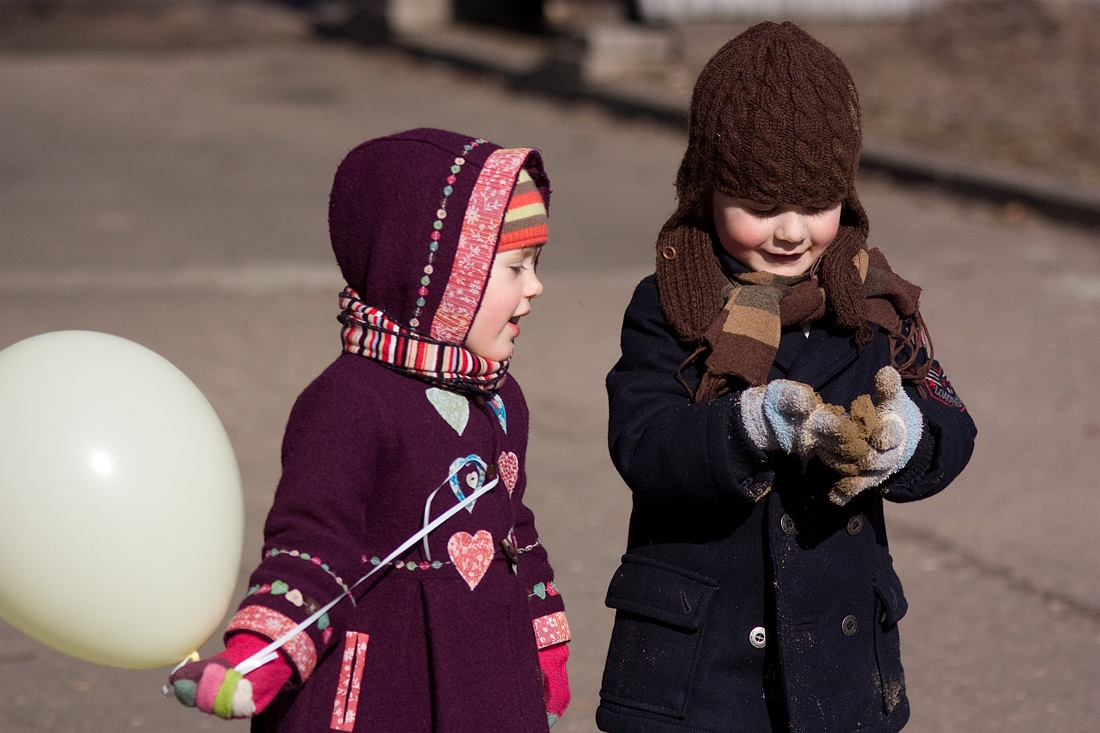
<point x="775" y="416"/>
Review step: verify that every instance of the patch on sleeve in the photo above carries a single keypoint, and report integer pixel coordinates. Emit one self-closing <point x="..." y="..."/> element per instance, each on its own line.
<point x="941" y="390"/>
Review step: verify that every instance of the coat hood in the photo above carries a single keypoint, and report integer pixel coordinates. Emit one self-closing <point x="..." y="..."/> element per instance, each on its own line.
<point x="415" y="219"/>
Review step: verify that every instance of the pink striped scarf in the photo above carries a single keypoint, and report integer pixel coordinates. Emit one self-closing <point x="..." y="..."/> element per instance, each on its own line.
<point x="371" y="333"/>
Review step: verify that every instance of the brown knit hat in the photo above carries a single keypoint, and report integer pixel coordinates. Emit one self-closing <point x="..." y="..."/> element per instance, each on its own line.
<point x="774" y="118"/>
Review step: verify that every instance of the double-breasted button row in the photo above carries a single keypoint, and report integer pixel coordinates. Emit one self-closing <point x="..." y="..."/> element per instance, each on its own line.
<point x="786" y="523"/>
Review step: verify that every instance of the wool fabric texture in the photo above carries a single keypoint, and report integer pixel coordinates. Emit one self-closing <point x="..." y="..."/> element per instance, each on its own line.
<point x="742" y="341"/>
<point x="775" y="119"/>
<point x="447" y="637"/>
<point x="525" y="223"/>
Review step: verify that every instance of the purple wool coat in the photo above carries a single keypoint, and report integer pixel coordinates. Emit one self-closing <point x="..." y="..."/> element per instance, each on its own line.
<point x="445" y="638"/>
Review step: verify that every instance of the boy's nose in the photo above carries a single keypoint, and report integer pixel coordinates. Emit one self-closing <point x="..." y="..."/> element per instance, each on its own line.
<point x="790" y="228"/>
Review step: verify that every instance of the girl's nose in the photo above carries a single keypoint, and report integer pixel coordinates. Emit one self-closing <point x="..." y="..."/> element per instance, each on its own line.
<point x="534" y="288"/>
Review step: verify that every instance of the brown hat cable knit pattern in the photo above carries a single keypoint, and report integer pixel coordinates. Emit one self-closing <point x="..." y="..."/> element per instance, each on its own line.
<point x="774" y="119"/>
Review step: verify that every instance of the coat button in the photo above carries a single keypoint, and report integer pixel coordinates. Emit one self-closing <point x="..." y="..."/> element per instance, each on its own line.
<point x="787" y="524"/>
<point x="509" y="550"/>
<point x="849" y="626"/>
<point x="757" y="637"/>
<point x="855" y="524"/>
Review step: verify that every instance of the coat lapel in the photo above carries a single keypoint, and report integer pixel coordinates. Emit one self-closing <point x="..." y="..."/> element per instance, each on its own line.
<point x="825" y="354"/>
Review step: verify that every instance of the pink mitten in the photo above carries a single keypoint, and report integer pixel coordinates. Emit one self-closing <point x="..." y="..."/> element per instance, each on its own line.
<point x="215" y="687"/>
<point x="555" y="680"/>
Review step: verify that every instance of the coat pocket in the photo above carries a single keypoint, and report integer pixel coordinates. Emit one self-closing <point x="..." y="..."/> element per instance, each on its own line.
<point x="890" y="608"/>
<point x="659" y="617"/>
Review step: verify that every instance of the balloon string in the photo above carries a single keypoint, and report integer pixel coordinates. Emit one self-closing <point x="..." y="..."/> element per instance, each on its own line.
<point x="270" y="652"/>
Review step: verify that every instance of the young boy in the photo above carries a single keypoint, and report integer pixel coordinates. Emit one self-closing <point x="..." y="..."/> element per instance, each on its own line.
<point x="759" y="417"/>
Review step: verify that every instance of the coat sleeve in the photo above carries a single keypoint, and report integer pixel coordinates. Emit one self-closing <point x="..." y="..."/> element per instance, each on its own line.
<point x="946" y="443"/>
<point x="667" y="448"/>
<point x="537" y="577"/>
<point x="533" y="563"/>
<point x="311" y="554"/>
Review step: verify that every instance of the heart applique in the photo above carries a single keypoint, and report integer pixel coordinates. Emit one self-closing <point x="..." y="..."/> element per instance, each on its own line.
<point x="508" y="465"/>
<point x="540" y="591"/>
<point x="471" y="555"/>
<point x="497" y="405"/>
<point x="452" y="407"/>
<point x="468" y="471"/>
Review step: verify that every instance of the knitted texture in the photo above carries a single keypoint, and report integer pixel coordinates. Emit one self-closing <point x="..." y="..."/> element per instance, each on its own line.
<point x="215" y="687"/>
<point x="745" y="338"/>
<point x="555" y="680"/>
<point x="525" y="221"/>
<point x="774" y="119"/>
<point x="370" y="333"/>
<point x="740" y="343"/>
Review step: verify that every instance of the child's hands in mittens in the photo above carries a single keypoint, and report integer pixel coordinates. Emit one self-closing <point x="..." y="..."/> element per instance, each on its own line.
<point x="776" y="416"/>
<point x="901" y="420"/>
<point x="890" y="426"/>
<point x="842" y="440"/>
<point x="555" y="680"/>
<point x="213" y="685"/>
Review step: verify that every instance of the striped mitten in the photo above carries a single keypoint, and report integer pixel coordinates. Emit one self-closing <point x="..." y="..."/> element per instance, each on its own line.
<point x="213" y="685"/>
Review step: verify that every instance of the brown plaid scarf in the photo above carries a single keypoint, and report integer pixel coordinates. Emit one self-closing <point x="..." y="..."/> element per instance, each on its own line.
<point x="742" y="340"/>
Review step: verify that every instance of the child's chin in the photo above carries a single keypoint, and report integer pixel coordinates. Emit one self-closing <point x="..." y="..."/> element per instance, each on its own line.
<point x="791" y="270"/>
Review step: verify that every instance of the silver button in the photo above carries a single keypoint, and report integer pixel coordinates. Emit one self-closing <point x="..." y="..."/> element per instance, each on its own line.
<point x="787" y="524"/>
<point x="757" y="637"/>
<point x="855" y="524"/>
<point x="849" y="626"/>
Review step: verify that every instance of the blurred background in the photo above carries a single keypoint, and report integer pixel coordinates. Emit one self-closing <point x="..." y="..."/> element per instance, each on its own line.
<point x="164" y="172"/>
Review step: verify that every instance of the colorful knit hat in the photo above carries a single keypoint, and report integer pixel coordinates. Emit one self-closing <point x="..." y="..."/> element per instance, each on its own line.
<point x="774" y="118"/>
<point x="415" y="219"/>
<point x="525" y="222"/>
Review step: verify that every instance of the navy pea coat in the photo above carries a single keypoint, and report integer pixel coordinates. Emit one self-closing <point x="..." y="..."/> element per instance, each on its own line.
<point x="746" y="600"/>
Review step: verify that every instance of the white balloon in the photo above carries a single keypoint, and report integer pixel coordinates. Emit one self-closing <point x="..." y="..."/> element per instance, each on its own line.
<point x="121" y="512"/>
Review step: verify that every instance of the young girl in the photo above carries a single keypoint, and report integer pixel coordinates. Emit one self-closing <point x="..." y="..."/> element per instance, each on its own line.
<point x="759" y="417"/>
<point x="437" y="236"/>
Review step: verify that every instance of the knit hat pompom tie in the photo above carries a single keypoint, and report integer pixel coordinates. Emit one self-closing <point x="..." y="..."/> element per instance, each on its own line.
<point x="775" y="119"/>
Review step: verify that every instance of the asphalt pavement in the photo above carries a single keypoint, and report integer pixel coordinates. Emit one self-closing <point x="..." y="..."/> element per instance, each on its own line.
<point x="178" y="199"/>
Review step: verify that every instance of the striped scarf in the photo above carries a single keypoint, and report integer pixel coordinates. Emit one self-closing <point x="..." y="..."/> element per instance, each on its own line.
<point x="371" y="333"/>
<point x="742" y="340"/>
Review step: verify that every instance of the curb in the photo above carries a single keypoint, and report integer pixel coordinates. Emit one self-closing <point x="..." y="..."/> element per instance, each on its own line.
<point x="534" y="65"/>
